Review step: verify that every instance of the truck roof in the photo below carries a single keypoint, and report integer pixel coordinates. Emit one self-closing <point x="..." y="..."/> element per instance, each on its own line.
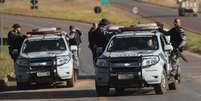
<point x="133" y="33"/>
<point x="46" y="33"/>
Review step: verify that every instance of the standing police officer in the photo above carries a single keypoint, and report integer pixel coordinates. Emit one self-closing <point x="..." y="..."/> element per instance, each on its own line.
<point x="75" y="40"/>
<point x="15" y="40"/>
<point x="91" y="39"/>
<point x="178" y="41"/>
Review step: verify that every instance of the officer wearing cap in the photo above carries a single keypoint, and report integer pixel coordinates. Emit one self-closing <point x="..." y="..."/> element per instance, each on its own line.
<point x="15" y="40"/>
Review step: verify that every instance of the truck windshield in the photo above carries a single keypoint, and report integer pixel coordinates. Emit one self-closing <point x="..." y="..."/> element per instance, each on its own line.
<point x="44" y="45"/>
<point x="133" y="43"/>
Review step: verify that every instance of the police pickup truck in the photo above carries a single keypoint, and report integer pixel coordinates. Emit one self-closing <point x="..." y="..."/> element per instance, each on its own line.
<point x="135" y="57"/>
<point x="45" y="58"/>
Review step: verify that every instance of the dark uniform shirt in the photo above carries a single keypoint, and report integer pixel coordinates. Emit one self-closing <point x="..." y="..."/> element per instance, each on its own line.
<point x="15" y="39"/>
<point x="177" y="37"/>
<point x="75" y="38"/>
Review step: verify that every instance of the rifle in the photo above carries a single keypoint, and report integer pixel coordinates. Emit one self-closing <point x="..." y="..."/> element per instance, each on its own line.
<point x="181" y="55"/>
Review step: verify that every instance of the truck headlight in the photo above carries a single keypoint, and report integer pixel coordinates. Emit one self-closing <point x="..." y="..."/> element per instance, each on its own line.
<point x="22" y="62"/>
<point x="102" y="63"/>
<point x="149" y="60"/>
<point x="63" y="60"/>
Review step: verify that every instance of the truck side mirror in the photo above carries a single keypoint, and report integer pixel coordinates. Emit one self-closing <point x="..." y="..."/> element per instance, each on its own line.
<point x="168" y="39"/>
<point x="73" y="48"/>
<point x="15" y="52"/>
<point x="99" y="51"/>
<point x="168" y="48"/>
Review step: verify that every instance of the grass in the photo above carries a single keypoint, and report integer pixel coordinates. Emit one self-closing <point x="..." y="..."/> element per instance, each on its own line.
<point x="79" y="10"/>
<point x="194" y="42"/>
<point x="6" y="63"/>
<point x="5" y="31"/>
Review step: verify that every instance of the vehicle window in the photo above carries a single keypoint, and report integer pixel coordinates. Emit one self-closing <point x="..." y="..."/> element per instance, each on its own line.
<point x="133" y="43"/>
<point x="44" y="45"/>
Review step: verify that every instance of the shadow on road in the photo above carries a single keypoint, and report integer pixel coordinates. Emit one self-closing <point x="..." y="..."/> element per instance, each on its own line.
<point x="48" y="95"/>
<point x="140" y="92"/>
<point x="86" y="77"/>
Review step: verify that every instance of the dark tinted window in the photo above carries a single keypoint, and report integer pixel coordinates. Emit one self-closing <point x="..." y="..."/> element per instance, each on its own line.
<point x="44" y="45"/>
<point x="133" y="43"/>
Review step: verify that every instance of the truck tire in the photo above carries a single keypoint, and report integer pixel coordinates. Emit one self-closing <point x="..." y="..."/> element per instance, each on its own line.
<point x="195" y="14"/>
<point x="162" y="87"/>
<point x="22" y="86"/>
<point x="102" y="90"/>
<point x="71" y="82"/>
<point x="181" y="12"/>
<point x="119" y="90"/>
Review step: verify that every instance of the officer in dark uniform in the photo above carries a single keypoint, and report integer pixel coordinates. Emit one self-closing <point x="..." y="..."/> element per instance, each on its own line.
<point x="178" y="41"/>
<point x="101" y="33"/>
<point x="91" y="39"/>
<point x="75" y="40"/>
<point x="15" y="40"/>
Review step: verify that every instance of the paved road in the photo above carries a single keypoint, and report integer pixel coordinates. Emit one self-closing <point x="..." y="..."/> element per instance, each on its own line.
<point x="161" y="13"/>
<point x="189" y="90"/>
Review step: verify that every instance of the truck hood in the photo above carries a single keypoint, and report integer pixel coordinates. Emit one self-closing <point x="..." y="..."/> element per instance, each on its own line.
<point x="44" y="54"/>
<point x="130" y="53"/>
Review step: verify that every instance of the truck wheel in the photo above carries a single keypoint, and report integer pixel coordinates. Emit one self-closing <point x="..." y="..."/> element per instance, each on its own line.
<point x="102" y="90"/>
<point x="162" y="87"/>
<point x="181" y="12"/>
<point x="23" y="85"/>
<point x="195" y="14"/>
<point x="119" y="90"/>
<point x="71" y="82"/>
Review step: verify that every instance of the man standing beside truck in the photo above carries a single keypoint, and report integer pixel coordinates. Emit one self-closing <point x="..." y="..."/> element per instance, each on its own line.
<point x="15" y="40"/>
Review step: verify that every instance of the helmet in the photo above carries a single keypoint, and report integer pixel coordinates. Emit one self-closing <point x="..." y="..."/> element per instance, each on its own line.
<point x="104" y="22"/>
<point x="15" y="26"/>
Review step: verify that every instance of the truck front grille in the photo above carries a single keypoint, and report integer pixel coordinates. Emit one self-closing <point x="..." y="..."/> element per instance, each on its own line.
<point x="42" y="64"/>
<point x="125" y="64"/>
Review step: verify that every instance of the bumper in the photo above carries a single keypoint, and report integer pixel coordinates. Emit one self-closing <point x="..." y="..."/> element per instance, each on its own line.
<point x="147" y="76"/>
<point x="60" y="73"/>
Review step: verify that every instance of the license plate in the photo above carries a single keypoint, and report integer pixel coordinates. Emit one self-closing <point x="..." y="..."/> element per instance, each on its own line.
<point x="125" y="76"/>
<point x="42" y="74"/>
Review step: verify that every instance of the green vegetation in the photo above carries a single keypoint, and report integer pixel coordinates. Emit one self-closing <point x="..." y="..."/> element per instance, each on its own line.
<point x="5" y="31"/>
<point x="78" y="10"/>
<point x="6" y="63"/>
<point x="194" y="42"/>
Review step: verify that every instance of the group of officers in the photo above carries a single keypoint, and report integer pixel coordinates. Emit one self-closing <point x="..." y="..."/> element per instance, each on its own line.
<point x="98" y="36"/>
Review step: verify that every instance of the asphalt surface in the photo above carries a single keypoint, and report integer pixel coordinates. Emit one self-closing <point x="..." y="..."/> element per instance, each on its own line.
<point x="84" y="90"/>
<point x="161" y="14"/>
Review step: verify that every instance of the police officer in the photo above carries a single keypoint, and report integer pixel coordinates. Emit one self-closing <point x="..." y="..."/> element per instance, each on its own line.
<point x="102" y="36"/>
<point x="91" y="38"/>
<point x="178" y="41"/>
<point x="15" y="40"/>
<point x="74" y="37"/>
